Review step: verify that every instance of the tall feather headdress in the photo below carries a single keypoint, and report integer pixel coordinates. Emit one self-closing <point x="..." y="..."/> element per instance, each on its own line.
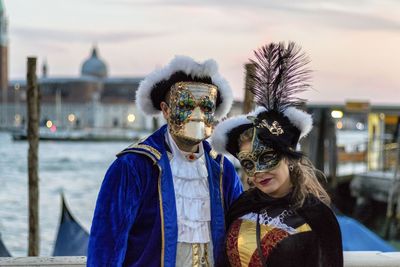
<point x="279" y="73"/>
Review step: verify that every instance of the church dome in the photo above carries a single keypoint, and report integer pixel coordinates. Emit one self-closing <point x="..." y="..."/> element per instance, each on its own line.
<point x="94" y="66"/>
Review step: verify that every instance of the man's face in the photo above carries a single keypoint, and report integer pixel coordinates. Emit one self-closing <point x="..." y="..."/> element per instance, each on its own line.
<point x="192" y="107"/>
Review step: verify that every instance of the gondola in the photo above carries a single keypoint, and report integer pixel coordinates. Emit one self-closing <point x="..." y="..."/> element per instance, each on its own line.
<point x="357" y="237"/>
<point x="72" y="238"/>
<point x="3" y="250"/>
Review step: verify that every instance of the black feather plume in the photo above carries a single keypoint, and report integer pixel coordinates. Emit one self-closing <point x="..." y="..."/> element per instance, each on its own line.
<point x="280" y="73"/>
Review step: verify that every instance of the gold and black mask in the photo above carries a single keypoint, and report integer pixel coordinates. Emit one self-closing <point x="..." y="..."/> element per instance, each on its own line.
<point x="192" y="107"/>
<point x="261" y="158"/>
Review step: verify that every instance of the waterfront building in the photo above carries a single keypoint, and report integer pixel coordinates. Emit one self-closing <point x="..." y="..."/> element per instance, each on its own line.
<point x="91" y="100"/>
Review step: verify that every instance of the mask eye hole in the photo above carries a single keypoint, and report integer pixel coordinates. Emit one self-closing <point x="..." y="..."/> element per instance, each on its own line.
<point x="247" y="164"/>
<point x="266" y="157"/>
<point x="186" y="104"/>
<point x="207" y="105"/>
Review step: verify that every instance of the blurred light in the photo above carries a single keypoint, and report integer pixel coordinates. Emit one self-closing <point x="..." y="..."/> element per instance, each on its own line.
<point x="17" y="86"/>
<point x="71" y="117"/>
<point x="382" y="116"/>
<point x="53" y="128"/>
<point x="131" y="118"/>
<point x="339" y="125"/>
<point x="360" y="126"/>
<point x="49" y="124"/>
<point x="337" y="114"/>
<point x="17" y="118"/>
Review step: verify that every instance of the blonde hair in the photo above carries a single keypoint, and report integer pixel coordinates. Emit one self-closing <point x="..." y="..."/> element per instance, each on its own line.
<point x="303" y="176"/>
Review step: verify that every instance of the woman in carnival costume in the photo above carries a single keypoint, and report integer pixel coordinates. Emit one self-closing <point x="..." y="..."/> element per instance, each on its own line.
<point x="285" y="220"/>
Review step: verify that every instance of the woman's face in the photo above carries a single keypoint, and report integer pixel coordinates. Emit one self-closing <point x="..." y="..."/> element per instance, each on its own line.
<point x="275" y="182"/>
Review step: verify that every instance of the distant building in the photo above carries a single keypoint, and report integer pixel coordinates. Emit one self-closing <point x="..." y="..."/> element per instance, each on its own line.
<point x="90" y="100"/>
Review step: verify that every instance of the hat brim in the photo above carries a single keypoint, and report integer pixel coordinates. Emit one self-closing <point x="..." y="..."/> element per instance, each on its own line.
<point x="153" y="89"/>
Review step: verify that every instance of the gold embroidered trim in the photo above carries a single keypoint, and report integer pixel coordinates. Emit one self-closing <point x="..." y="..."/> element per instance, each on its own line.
<point x="207" y="263"/>
<point x="213" y="154"/>
<point x="196" y="255"/>
<point x="162" y="217"/>
<point x="221" y="187"/>
<point x="150" y="149"/>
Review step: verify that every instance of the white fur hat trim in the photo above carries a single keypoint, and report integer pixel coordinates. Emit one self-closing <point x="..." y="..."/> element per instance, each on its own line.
<point x="302" y="120"/>
<point x="208" y="68"/>
<point x="219" y="138"/>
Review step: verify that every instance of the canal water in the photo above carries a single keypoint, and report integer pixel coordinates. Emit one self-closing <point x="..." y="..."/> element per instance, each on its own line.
<point x="75" y="168"/>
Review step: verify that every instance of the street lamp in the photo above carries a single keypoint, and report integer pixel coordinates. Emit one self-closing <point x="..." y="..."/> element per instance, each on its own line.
<point x="17" y="116"/>
<point x="131" y="118"/>
<point x="71" y="118"/>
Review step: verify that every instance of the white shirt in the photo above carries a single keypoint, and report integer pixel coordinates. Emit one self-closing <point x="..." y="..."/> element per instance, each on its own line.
<point x="192" y="193"/>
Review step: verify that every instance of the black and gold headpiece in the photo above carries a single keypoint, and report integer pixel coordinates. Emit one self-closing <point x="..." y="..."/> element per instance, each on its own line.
<point x="278" y="123"/>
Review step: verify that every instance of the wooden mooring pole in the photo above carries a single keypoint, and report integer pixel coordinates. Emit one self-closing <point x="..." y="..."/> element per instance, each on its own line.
<point x="248" y="103"/>
<point x="33" y="115"/>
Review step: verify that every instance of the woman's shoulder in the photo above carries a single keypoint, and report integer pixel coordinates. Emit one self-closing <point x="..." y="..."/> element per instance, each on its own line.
<point x="312" y="201"/>
<point x="324" y="224"/>
<point x="241" y="206"/>
<point x="316" y="212"/>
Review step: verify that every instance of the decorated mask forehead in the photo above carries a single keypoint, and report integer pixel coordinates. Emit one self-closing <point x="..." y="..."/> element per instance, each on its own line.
<point x="194" y="91"/>
<point x="260" y="158"/>
<point x="192" y="109"/>
<point x="198" y="90"/>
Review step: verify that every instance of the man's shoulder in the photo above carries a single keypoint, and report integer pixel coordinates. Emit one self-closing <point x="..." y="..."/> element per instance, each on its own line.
<point x="139" y="154"/>
<point x="150" y="147"/>
<point x="143" y="149"/>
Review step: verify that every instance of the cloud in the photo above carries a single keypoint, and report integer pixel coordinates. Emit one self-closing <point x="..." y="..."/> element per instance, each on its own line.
<point x="347" y="19"/>
<point x="80" y="36"/>
<point x="343" y="14"/>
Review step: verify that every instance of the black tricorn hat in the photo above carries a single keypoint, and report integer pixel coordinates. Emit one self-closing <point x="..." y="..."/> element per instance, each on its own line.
<point x="294" y="123"/>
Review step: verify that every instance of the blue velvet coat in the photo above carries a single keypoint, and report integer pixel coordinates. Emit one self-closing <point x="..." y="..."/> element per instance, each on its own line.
<point x="135" y="220"/>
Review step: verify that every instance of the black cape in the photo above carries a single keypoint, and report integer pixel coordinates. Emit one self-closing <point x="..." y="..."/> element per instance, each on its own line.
<point x="319" y="217"/>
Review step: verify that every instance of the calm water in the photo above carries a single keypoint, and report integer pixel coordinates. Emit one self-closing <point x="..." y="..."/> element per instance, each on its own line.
<point x="77" y="169"/>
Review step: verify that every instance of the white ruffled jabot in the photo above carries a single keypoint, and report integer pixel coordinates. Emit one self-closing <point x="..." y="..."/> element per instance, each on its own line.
<point x="192" y="194"/>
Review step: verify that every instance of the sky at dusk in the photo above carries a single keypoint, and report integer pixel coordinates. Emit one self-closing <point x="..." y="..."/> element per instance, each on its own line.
<point x="354" y="45"/>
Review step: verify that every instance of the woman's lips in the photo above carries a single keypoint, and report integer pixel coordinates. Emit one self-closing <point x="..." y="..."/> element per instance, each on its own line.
<point x="265" y="181"/>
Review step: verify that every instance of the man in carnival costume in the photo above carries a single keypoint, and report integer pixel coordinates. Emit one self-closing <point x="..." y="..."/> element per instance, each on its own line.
<point x="163" y="200"/>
